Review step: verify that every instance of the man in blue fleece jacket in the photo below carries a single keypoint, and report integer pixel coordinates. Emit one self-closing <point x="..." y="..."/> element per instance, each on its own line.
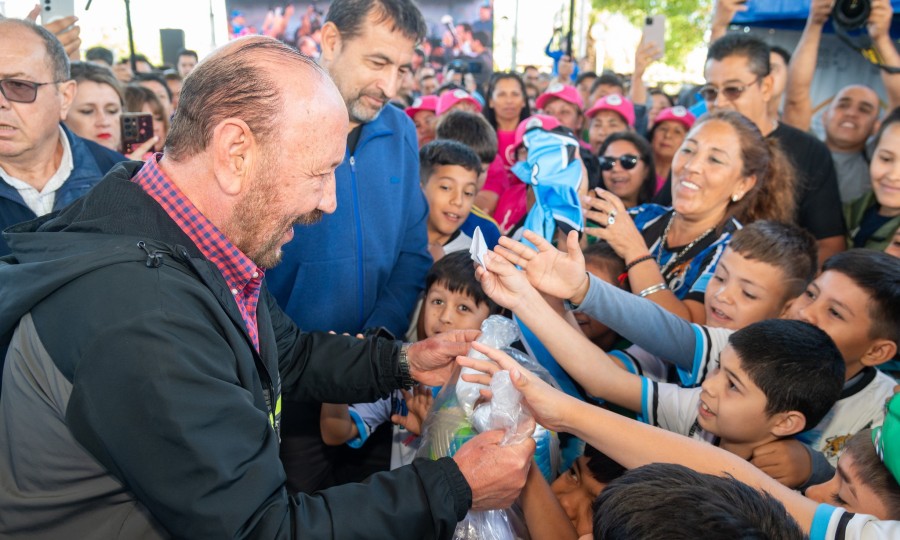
<point x="363" y="266"/>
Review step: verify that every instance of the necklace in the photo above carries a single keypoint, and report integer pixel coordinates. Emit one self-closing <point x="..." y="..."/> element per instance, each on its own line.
<point x="675" y="258"/>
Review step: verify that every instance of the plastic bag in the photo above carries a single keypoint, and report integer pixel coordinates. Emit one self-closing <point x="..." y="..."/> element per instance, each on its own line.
<point x="497" y="332"/>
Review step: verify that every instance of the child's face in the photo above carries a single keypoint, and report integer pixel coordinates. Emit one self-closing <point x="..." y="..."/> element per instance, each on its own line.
<point x="604" y="124"/>
<point x="837" y="305"/>
<point x="594" y="330"/>
<point x="733" y="407"/>
<point x="847" y="489"/>
<point x="576" y="489"/>
<point x="884" y="170"/>
<point x="445" y="310"/>
<point x="450" y="192"/>
<point x="744" y="291"/>
<point x="425" y="122"/>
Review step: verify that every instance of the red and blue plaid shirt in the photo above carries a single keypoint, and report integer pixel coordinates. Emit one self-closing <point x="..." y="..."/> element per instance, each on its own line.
<point x="243" y="277"/>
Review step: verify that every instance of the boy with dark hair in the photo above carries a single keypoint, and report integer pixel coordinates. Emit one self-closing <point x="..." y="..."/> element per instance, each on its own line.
<point x="577" y="488"/>
<point x="449" y="172"/>
<point x="454" y="300"/>
<point x="474" y="131"/>
<point x="709" y="506"/>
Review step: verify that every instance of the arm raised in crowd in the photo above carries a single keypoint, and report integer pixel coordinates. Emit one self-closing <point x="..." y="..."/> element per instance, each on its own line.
<point x="801" y="71"/>
<point x="879" y="27"/>
<point x="723" y="14"/>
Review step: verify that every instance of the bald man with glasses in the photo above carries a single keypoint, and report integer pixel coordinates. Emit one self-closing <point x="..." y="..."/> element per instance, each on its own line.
<point x="43" y="166"/>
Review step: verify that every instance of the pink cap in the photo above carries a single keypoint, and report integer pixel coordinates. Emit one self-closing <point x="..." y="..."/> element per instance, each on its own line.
<point x="541" y="121"/>
<point x="561" y="91"/>
<point x="424" y="103"/>
<point x="451" y="97"/>
<point x="615" y="103"/>
<point x="676" y="114"/>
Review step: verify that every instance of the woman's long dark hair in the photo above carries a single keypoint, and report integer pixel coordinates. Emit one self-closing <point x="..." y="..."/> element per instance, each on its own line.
<point x="488" y="111"/>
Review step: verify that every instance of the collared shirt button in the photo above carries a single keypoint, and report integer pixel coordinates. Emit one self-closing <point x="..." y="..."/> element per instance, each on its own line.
<point x="234" y="292"/>
<point x="255" y="275"/>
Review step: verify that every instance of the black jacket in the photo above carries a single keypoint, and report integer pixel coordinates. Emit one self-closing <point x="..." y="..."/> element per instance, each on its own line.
<point x="134" y="403"/>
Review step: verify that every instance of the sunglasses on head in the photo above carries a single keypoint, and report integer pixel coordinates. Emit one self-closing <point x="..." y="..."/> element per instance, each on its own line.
<point x="732" y="92"/>
<point x="627" y="161"/>
<point x="20" y="91"/>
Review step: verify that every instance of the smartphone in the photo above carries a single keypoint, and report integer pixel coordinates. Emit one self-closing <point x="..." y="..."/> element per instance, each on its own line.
<point x="137" y="128"/>
<point x="655" y="32"/>
<point x="52" y="10"/>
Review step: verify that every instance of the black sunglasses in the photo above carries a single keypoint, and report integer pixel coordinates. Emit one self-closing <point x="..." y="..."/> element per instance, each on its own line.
<point x="709" y="93"/>
<point x="627" y="161"/>
<point x="20" y="91"/>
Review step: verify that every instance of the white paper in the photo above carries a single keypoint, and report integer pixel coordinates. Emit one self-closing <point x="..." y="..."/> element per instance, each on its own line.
<point x="478" y="247"/>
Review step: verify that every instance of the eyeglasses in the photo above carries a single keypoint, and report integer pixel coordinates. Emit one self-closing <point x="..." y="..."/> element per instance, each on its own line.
<point x="20" y="91"/>
<point x="709" y="93"/>
<point x="627" y="161"/>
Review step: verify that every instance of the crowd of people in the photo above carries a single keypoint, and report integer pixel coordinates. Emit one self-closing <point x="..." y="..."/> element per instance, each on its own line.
<point x="237" y="328"/>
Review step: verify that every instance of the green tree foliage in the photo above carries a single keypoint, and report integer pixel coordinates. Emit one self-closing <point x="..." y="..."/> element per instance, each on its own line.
<point x="687" y="22"/>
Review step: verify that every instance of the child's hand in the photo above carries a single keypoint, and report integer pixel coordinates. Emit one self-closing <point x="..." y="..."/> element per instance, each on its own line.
<point x="785" y="460"/>
<point x="547" y="405"/>
<point x="549" y="270"/>
<point x="503" y="282"/>
<point x="418" y="402"/>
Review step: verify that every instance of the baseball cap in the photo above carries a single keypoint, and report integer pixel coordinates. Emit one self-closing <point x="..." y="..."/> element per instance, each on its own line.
<point x="561" y="91"/>
<point x="537" y="121"/>
<point x="676" y="114"/>
<point x="452" y="97"/>
<point x="423" y="103"/>
<point x="615" y="103"/>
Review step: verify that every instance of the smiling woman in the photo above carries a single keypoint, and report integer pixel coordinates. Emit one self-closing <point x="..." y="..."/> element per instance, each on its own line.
<point x="723" y="175"/>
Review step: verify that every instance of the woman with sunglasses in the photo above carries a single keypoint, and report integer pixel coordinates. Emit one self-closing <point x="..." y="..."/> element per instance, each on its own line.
<point x="724" y="174"/>
<point x="626" y="165"/>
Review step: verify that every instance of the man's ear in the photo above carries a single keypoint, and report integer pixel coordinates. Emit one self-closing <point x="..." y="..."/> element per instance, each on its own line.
<point x="234" y="151"/>
<point x="766" y="84"/>
<point x="880" y="351"/>
<point x="788" y="423"/>
<point x="67" y="92"/>
<point x="331" y="42"/>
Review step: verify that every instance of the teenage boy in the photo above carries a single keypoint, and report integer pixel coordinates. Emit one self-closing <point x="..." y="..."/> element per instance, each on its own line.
<point x="449" y="174"/>
<point x="776" y="378"/>
<point x="454" y="300"/>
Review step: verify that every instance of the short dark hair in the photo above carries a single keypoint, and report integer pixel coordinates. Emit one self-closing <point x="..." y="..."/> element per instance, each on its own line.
<point x="350" y="15"/>
<point x="446" y="152"/>
<point x="141" y="58"/>
<point x="782" y="52"/>
<point x="755" y="50"/>
<point x="86" y="71"/>
<point x="668" y="501"/>
<point x="57" y="59"/>
<point x="585" y="75"/>
<point x="608" y="78"/>
<point x="472" y="130"/>
<point x="872" y="473"/>
<point x="100" y="53"/>
<point x="602" y="467"/>
<point x="659" y="92"/>
<point x="783" y="245"/>
<point x="187" y="52"/>
<point x="232" y="85"/>
<point x="878" y="274"/>
<point x="152" y="77"/>
<point x="795" y="364"/>
<point x="892" y="118"/>
<point x="456" y="272"/>
<point x="645" y="151"/>
<point x="482" y="37"/>
<point x="602" y="254"/>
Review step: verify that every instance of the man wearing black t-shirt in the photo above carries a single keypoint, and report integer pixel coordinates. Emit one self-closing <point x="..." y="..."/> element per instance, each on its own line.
<point x="738" y="78"/>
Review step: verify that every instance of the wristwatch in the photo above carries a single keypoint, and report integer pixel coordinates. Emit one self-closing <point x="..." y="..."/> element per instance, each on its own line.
<point x="406" y="380"/>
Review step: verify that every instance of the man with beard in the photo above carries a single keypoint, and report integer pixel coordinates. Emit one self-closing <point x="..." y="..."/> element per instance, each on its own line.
<point x="363" y="266"/>
<point x="147" y="361"/>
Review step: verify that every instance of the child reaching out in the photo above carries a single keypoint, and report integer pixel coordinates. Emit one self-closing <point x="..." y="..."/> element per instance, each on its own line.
<point x="454" y="300"/>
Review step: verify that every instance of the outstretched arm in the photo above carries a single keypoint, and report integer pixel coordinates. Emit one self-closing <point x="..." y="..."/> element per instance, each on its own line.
<point x="632" y="443"/>
<point x="723" y="14"/>
<point x="802" y="69"/>
<point x="879" y="29"/>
